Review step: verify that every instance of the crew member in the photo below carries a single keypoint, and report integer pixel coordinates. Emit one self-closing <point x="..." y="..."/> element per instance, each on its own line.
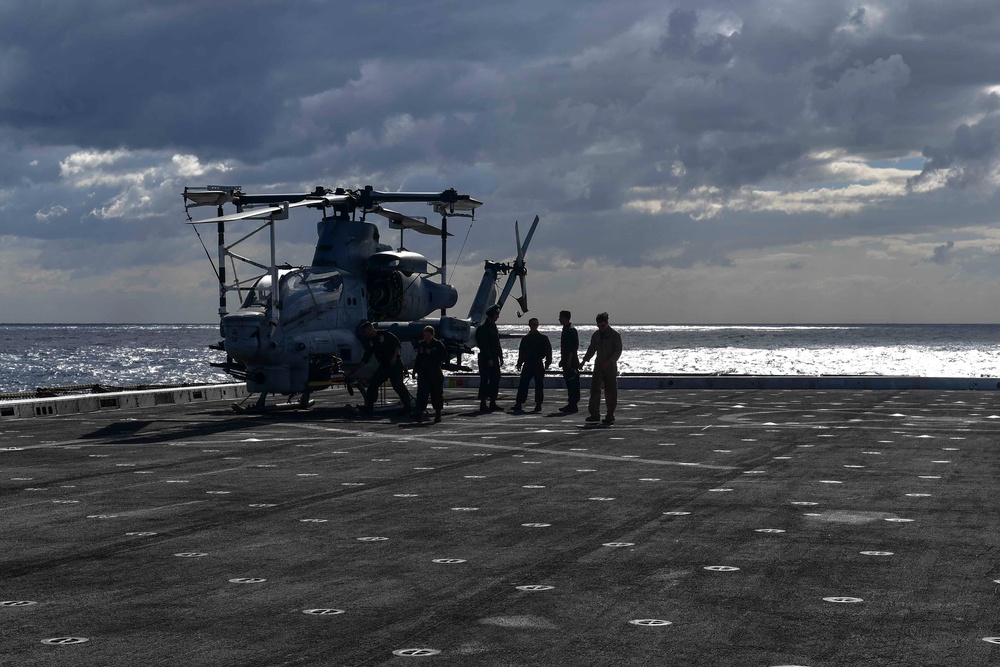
<point x="606" y="343"/>
<point x="385" y="347"/>
<point x="534" y="351"/>
<point x="490" y="360"/>
<point x="569" y="361"/>
<point x="431" y="356"/>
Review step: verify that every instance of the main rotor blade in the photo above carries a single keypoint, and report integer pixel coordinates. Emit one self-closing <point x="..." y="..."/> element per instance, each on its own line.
<point x="401" y="221"/>
<point x="263" y="213"/>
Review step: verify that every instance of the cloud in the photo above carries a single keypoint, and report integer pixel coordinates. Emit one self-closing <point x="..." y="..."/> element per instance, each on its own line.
<point x="648" y="137"/>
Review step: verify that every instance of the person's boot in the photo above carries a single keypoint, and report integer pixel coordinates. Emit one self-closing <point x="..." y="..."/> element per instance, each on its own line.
<point x="593" y="418"/>
<point x="538" y="407"/>
<point x="609" y="420"/>
<point x="494" y="407"/>
<point x="437" y="417"/>
<point x="483" y="407"/>
<point x="517" y="409"/>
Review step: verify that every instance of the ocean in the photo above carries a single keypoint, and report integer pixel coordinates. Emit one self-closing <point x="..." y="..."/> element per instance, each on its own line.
<point x="139" y="354"/>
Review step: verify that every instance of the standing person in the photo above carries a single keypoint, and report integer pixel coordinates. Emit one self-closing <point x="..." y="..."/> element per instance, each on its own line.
<point x="490" y="360"/>
<point x="569" y="361"/>
<point x="385" y="347"/>
<point x="431" y="356"/>
<point x="606" y="343"/>
<point x="534" y="350"/>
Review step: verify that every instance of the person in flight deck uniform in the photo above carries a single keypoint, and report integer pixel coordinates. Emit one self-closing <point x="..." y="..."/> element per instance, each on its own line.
<point x="606" y="343"/>
<point x="569" y="361"/>
<point x="431" y="356"/>
<point x="490" y="360"/>
<point x="385" y="347"/>
<point x="534" y="350"/>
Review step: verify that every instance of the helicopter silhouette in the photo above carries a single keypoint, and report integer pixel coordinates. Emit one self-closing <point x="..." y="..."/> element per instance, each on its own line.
<point x="295" y="331"/>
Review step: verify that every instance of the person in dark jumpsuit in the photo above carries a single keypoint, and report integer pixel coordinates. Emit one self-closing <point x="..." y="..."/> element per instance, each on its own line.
<point x="431" y="356"/>
<point x="534" y="355"/>
<point x="490" y="360"/>
<point x="385" y="347"/>
<point x="569" y="361"/>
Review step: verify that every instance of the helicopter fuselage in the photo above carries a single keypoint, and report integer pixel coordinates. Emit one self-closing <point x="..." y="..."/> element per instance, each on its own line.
<point x="293" y="343"/>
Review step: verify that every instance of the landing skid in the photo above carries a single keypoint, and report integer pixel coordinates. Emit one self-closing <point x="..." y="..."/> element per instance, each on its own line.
<point x="258" y="408"/>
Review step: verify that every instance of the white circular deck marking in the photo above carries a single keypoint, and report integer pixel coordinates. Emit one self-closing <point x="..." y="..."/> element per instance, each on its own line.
<point x="532" y="486"/>
<point x="323" y="612"/>
<point x="992" y="640"/>
<point x="618" y="544"/>
<point x="372" y="539"/>
<point x="918" y="495"/>
<point x="600" y="499"/>
<point x="676" y="513"/>
<point x="719" y="490"/>
<point x="899" y="520"/>
<point x="650" y="622"/>
<point x="845" y="600"/>
<point x="849" y="466"/>
<point x="247" y="580"/>
<point x="722" y="451"/>
<point x="449" y="561"/>
<point x="475" y="477"/>
<point x="930" y="476"/>
<point x="876" y="553"/>
<point x="829" y="481"/>
<point x="17" y="603"/>
<point x="535" y="587"/>
<point x="190" y="554"/>
<point x="768" y="530"/>
<point x="754" y="472"/>
<point x="11" y="449"/>
<point x="782" y="458"/>
<point x="65" y="641"/>
<point x="721" y="568"/>
<point x="465" y="509"/>
<point x="649" y="479"/>
<point x="536" y="525"/>
<point x="415" y="652"/>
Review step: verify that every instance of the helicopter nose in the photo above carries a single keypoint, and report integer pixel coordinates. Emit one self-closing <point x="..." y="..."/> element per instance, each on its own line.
<point x="243" y="333"/>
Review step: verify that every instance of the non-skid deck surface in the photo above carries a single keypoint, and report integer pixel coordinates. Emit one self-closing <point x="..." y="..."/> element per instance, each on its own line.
<point x="704" y="528"/>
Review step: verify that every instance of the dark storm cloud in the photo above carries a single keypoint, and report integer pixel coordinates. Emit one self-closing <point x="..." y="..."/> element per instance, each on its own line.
<point x="108" y="108"/>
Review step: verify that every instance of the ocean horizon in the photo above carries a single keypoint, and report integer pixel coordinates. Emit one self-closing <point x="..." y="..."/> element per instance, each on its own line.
<point x="117" y="354"/>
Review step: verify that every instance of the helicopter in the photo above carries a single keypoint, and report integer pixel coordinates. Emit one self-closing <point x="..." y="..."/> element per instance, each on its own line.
<point x="295" y="331"/>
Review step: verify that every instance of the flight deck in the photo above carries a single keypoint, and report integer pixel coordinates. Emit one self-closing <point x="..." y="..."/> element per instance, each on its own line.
<point x="705" y="528"/>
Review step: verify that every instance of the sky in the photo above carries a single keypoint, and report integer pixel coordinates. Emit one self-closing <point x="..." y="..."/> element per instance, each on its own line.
<point x="718" y="161"/>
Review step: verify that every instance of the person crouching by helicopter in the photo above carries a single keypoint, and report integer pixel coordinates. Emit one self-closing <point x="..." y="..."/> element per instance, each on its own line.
<point x="534" y="351"/>
<point x="385" y="347"/>
<point x="490" y="360"/>
<point x="431" y="356"/>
